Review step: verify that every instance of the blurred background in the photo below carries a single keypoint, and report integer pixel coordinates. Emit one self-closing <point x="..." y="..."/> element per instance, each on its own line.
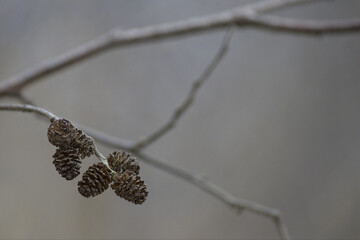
<point x="277" y="123"/>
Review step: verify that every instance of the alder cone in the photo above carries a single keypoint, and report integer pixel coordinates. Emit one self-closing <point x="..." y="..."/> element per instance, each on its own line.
<point x="130" y="187"/>
<point x="84" y="144"/>
<point x="95" y="180"/>
<point x="61" y="133"/>
<point x="67" y="162"/>
<point x="120" y="162"/>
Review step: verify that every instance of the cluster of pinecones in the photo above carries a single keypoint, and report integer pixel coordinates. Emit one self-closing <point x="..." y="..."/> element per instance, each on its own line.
<point x="122" y="170"/>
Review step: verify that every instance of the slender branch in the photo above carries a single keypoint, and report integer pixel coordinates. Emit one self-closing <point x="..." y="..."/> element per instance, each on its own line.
<point x="29" y="108"/>
<point x="303" y="26"/>
<point x="269" y="6"/>
<point x="51" y="117"/>
<point x="184" y="106"/>
<point x="200" y="182"/>
<point x="119" y="38"/>
<point x="212" y="189"/>
<point x="281" y="227"/>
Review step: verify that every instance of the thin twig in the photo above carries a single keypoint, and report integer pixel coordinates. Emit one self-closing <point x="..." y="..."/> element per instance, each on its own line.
<point x="184" y="106"/>
<point x="304" y="26"/>
<point x="119" y="38"/>
<point x="29" y="108"/>
<point x="200" y="182"/>
<point x="51" y="117"/>
<point x="281" y="227"/>
<point x="239" y="204"/>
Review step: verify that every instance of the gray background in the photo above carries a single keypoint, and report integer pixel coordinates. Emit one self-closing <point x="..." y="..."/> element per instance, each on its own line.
<point x="277" y="123"/>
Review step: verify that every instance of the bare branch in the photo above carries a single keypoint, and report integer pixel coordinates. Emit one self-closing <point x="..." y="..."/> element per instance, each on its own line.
<point x="269" y="6"/>
<point x="200" y="182"/>
<point x="303" y="26"/>
<point x="51" y="117"/>
<point x="119" y="38"/>
<point x="184" y="106"/>
<point x="29" y="108"/>
<point x="281" y="227"/>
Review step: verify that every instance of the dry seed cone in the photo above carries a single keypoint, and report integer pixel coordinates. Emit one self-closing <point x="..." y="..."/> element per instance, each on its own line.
<point x="67" y="162"/>
<point x="130" y="187"/>
<point x="121" y="161"/>
<point x="61" y="133"/>
<point x="84" y="144"/>
<point x="95" y="180"/>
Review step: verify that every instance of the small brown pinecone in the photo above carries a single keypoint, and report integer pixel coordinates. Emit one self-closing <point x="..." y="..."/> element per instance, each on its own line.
<point x="67" y="162"/>
<point x="84" y="144"/>
<point x="95" y="180"/>
<point x="61" y="133"/>
<point x="121" y="161"/>
<point x="130" y="187"/>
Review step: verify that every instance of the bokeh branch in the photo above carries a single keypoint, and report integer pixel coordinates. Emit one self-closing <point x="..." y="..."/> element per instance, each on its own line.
<point x="49" y="116"/>
<point x="29" y="108"/>
<point x="237" y="203"/>
<point x="136" y="149"/>
<point x="248" y="15"/>
<point x="304" y="26"/>
<point x="184" y="106"/>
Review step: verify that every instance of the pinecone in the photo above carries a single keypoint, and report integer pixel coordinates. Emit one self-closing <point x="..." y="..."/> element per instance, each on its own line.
<point x="61" y="133"/>
<point x="121" y="161"/>
<point x="84" y="143"/>
<point x="130" y="187"/>
<point x="67" y="162"/>
<point x="95" y="180"/>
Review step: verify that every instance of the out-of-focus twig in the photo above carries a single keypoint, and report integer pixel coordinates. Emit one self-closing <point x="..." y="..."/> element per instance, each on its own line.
<point x="303" y="26"/>
<point x="200" y="182"/>
<point x="28" y="108"/>
<point x="236" y="203"/>
<point x="51" y="117"/>
<point x="244" y="15"/>
<point x="184" y="106"/>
